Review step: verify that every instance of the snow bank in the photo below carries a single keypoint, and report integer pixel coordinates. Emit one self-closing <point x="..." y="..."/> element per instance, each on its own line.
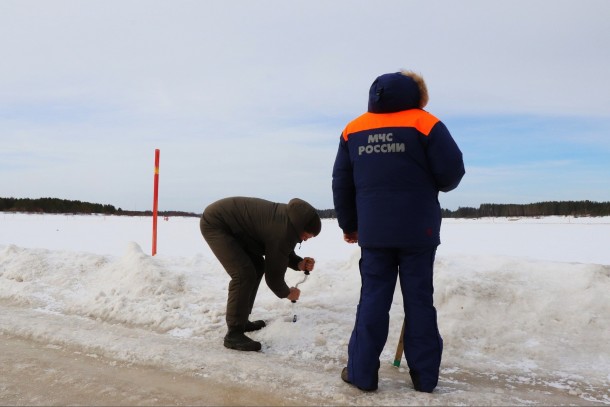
<point x="513" y="314"/>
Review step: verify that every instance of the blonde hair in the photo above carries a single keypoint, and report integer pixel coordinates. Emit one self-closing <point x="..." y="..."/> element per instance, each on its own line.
<point x="421" y="84"/>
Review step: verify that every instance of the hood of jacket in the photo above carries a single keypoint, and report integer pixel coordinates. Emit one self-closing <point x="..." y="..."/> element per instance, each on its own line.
<point x="304" y="217"/>
<point x="393" y="92"/>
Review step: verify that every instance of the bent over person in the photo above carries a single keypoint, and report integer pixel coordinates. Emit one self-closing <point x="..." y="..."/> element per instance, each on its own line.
<point x="391" y="164"/>
<point x="252" y="237"/>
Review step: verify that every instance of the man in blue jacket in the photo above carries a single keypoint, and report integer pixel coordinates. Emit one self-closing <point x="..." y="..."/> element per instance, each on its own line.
<point x="391" y="164"/>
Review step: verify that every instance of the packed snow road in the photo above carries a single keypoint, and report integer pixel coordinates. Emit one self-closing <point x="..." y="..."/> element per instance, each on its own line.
<point x="66" y="372"/>
<point x="45" y="374"/>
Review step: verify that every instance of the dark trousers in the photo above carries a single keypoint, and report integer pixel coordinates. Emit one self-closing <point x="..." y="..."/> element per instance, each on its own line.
<point x="423" y="345"/>
<point x="245" y="269"/>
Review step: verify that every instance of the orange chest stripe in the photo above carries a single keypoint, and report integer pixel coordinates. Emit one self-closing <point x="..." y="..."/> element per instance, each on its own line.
<point x="416" y="118"/>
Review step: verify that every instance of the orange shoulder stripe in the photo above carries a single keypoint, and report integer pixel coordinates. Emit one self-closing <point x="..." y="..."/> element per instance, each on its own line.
<point x="419" y="119"/>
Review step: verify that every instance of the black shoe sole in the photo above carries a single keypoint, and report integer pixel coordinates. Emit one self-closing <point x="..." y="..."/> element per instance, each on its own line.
<point x="246" y="347"/>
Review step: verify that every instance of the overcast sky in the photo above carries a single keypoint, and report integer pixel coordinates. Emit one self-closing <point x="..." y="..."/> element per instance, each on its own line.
<point x="250" y="97"/>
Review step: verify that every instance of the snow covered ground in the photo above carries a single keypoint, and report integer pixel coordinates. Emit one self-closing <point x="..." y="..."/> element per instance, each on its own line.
<point x="524" y="309"/>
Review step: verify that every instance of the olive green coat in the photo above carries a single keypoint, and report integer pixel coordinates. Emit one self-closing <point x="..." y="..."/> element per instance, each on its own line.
<point x="252" y="237"/>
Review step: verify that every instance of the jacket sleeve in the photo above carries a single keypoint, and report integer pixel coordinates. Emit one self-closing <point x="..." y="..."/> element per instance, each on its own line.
<point x="344" y="191"/>
<point x="294" y="260"/>
<point x="445" y="158"/>
<point x="276" y="263"/>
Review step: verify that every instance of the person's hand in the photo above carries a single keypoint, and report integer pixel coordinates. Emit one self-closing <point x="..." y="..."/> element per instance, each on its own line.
<point x="307" y="264"/>
<point x="294" y="295"/>
<point x="351" y="237"/>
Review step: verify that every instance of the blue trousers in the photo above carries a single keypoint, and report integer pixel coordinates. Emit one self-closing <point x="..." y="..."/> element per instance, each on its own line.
<point x="423" y="345"/>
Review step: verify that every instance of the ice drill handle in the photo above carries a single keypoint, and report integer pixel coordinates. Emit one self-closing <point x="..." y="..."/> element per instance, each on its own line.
<point x="306" y="273"/>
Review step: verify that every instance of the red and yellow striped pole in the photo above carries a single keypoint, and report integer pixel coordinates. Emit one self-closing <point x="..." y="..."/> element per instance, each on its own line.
<point x="155" y="203"/>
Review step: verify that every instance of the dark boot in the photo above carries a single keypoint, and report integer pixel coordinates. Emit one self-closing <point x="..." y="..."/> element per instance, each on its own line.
<point x="235" y="339"/>
<point x="346" y="380"/>
<point x="417" y="383"/>
<point x="254" y="325"/>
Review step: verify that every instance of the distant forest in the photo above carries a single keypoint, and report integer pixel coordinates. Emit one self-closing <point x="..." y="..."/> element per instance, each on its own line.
<point x="55" y="205"/>
<point x="539" y="209"/>
<point x="552" y="208"/>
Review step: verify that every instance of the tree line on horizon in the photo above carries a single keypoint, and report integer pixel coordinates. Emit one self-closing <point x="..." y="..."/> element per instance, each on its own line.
<point x="56" y="205"/>
<point x="539" y="209"/>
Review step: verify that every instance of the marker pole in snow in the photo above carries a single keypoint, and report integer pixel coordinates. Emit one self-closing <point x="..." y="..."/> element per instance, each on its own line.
<point x="155" y="203"/>
<point x="400" y="347"/>
<point x="294" y="313"/>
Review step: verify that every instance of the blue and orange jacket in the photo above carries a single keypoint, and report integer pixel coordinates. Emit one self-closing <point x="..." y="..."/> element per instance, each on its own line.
<point x="391" y="164"/>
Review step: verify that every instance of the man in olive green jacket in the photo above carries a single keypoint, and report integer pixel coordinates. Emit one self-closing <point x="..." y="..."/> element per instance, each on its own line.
<point x="252" y="237"/>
